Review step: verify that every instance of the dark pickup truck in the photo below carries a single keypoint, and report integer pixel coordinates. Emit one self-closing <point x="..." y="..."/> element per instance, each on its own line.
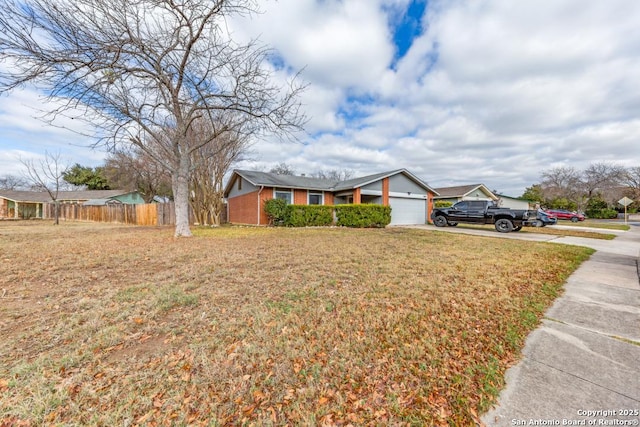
<point x="483" y="212"/>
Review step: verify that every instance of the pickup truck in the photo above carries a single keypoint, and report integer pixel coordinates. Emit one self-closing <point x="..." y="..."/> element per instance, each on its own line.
<point x="483" y="212"/>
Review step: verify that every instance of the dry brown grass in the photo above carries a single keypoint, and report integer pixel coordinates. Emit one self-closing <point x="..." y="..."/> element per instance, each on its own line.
<point x="551" y="230"/>
<point x="108" y="325"/>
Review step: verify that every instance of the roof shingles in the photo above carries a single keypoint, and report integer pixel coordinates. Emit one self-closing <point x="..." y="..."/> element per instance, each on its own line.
<point x="43" y="196"/>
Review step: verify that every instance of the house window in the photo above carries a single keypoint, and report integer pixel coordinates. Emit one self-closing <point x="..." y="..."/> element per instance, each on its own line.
<point x="284" y="194"/>
<point x="316" y="198"/>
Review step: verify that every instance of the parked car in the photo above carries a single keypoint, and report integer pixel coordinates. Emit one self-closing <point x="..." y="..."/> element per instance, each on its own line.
<point x="543" y="218"/>
<point x="565" y="214"/>
<point x="481" y="212"/>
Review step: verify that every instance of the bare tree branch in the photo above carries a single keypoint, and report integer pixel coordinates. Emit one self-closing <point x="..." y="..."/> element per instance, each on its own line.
<point x="47" y="175"/>
<point x="143" y="72"/>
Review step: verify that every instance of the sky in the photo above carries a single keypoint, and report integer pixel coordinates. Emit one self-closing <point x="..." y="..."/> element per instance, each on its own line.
<point x="455" y="91"/>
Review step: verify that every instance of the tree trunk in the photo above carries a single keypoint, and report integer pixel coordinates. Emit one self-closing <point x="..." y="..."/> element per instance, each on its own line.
<point x="180" y="184"/>
<point x="56" y="205"/>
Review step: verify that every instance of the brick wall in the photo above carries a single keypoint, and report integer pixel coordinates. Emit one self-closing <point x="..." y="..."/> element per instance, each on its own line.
<point x="300" y="197"/>
<point x="328" y="198"/>
<point x="385" y="191"/>
<point x="266" y="194"/>
<point x="244" y="209"/>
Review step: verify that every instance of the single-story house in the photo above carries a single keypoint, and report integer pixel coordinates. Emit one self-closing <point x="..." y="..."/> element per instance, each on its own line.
<point x="410" y="198"/>
<point x="30" y="204"/>
<point x="480" y="192"/>
<point x="465" y="192"/>
<point x="515" y="202"/>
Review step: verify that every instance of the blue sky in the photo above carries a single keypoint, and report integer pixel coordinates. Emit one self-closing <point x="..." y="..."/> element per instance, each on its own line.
<point x="456" y="91"/>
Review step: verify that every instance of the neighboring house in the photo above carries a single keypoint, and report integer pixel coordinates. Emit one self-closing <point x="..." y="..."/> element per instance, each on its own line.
<point x="514" y="202"/>
<point x="22" y="204"/>
<point x="465" y="192"/>
<point x="30" y="204"/>
<point x="409" y="197"/>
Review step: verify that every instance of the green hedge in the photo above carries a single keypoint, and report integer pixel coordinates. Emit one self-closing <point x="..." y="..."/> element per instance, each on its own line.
<point x="360" y="216"/>
<point x="278" y="211"/>
<point x="442" y="204"/>
<point x="363" y="216"/>
<point x="309" y="216"/>
<point x="602" y="213"/>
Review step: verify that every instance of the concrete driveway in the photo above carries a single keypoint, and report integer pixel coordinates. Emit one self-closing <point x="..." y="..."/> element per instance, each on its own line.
<point x="582" y="365"/>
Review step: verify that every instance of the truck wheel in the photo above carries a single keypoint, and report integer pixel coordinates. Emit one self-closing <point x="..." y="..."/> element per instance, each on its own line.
<point x="452" y="224"/>
<point x="440" y="221"/>
<point x="503" y="225"/>
<point x="574" y="219"/>
<point x="538" y="223"/>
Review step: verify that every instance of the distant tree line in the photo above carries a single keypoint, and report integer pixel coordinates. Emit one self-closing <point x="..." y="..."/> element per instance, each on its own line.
<point x="594" y="190"/>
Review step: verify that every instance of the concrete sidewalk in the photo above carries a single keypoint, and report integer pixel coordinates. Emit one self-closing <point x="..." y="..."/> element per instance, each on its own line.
<point x="586" y="355"/>
<point x="582" y="365"/>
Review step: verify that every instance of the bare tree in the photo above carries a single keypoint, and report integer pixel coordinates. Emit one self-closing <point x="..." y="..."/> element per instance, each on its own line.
<point x="211" y="163"/>
<point x="143" y="71"/>
<point x="47" y="174"/>
<point x="562" y="182"/>
<point x="11" y="182"/>
<point x="334" y="174"/>
<point x="602" y="178"/>
<point x="135" y="170"/>
<point x="283" y="169"/>
<point x="632" y="180"/>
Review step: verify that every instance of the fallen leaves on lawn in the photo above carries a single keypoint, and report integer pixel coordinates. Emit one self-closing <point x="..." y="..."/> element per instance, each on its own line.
<point x="264" y="326"/>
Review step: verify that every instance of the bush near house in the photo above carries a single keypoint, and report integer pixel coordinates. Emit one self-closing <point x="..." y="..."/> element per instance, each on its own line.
<point x="277" y="210"/>
<point x="363" y="216"/>
<point x="282" y="214"/>
<point x="442" y="204"/>
<point x="309" y="215"/>
<point x="358" y="216"/>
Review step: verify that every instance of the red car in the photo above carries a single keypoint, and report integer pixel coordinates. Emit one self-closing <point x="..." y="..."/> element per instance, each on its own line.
<point x="565" y="214"/>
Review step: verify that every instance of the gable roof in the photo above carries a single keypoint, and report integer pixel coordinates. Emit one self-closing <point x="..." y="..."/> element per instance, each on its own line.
<point x="463" y="190"/>
<point x="26" y="196"/>
<point x="43" y="196"/>
<point x="366" y="180"/>
<point x="269" y="179"/>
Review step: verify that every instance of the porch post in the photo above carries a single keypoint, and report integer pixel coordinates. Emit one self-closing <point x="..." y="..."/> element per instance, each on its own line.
<point x="356" y="196"/>
<point x="15" y="212"/>
<point x="385" y="191"/>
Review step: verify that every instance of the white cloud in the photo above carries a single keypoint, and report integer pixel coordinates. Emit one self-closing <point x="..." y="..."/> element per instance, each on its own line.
<point x="494" y="91"/>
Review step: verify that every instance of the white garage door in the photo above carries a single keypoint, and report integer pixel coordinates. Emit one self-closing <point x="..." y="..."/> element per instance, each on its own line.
<point x="408" y="211"/>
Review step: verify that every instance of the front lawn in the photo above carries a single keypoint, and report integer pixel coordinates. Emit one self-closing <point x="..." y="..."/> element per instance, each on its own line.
<point x="110" y="325"/>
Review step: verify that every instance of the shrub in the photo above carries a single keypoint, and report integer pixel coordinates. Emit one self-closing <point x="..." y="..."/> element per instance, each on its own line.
<point x="363" y="216"/>
<point x="602" y="213"/>
<point x="442" y="204"/>
<point x="309" y="216"/>
<point x="277" y="210"/>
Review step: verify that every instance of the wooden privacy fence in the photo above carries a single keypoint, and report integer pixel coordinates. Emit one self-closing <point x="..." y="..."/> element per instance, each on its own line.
<point x="147" y="214"/>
